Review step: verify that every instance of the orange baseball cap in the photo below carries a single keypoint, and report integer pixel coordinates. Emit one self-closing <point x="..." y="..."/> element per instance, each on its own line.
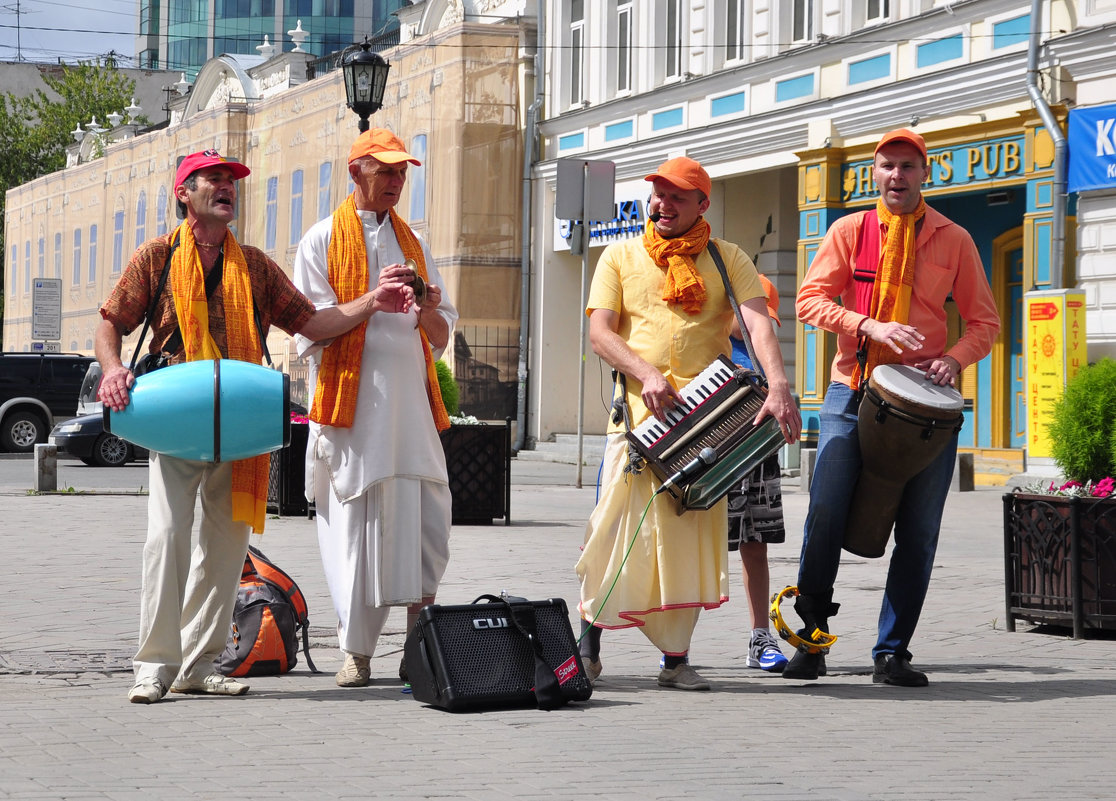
<point x="903" y="135"/>
<point x="382" y="145"/>
<point x="207" y="158"/>
<point x="685" y="173"/>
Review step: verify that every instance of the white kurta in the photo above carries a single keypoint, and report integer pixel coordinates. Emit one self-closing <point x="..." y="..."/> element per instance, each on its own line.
<point x="376" y="530"/>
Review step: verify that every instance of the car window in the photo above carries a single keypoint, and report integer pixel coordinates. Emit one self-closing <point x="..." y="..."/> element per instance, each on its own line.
<point x="87" y="396"/>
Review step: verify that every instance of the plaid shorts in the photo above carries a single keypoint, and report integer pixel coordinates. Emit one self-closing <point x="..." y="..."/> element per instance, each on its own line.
<point x="755" y="508"/>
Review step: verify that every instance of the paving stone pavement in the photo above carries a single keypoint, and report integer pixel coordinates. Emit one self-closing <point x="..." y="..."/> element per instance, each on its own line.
<point x="1021" y="715"/>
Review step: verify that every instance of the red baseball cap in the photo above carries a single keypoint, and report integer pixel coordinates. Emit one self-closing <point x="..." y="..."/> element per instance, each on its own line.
<point x="903" y="135"/>
<point x="207" y="158"/>
<point x="382" y="145"/>
<point x="685" y="173"/>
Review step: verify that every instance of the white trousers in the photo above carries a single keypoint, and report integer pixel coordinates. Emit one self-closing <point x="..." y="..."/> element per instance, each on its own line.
<point x="187" y="598"/>
<point x="387" y="547"/>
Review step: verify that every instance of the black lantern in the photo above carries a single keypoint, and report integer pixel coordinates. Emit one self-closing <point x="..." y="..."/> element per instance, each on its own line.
<point x="365" y="78"/>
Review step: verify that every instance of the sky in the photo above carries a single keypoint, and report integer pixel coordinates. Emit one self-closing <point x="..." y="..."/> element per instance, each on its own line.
<point x="71" y="30"/>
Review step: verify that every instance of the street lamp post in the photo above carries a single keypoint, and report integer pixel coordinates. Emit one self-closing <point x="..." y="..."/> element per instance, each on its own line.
<point x="365" y="78"/>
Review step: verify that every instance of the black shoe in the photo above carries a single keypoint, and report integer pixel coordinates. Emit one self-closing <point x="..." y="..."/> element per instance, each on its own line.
<point x="897" y="670"/>
<point x="805" y="666"/>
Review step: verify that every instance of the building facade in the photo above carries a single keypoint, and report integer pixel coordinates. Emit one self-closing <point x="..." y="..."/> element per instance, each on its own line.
<point x="452" y="95"/>
<point x="783" y="103"/>
<point x="184" y="34"/>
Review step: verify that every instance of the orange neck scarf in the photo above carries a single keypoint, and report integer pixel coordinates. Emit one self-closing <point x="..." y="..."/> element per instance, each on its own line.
<point x="891" y="292"/>
<point x="187" y="278"/>
<point x="678" y="255"/>
<point x="335" y="395"/>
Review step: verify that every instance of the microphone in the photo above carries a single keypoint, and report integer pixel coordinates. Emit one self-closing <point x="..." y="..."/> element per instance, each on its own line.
<point x="654" y="217"/>
<point x="705" y="458"/>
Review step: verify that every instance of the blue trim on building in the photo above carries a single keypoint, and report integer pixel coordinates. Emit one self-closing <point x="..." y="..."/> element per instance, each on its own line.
<point x="571" y="141"/>
<point x="950" y="48"/>
<point x="870" y="69"/>
<point x="670" y="118"/>
<point x="728" y="104"/>
<point x="1011" y="32"/>
<point x="619" y="130"/>
<point x="794" y="88"/>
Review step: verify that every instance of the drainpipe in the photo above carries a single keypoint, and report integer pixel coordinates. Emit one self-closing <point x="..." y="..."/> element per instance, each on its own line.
<point x="529" y="137"/>
<point x="1059" y="200"/>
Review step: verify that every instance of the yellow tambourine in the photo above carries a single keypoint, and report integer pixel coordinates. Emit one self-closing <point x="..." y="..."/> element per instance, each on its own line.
<point x="819" y="642"/>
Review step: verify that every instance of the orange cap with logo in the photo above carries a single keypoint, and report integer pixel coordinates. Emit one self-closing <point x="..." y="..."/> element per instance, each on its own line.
<point x="382" y="145"/>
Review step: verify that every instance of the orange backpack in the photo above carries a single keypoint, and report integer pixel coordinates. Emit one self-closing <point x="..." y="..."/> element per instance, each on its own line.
<point x="270" y="609"/>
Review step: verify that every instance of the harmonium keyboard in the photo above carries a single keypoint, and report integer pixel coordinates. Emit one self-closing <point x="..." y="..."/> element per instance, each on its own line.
<point x="717" y="411"/>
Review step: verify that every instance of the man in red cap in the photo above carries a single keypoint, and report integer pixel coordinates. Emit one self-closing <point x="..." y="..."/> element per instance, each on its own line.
<point x="659" y="314"/>
<point x="893" y="268"/>
<point x="205" y="296"/>
<point x="374" y="462"/>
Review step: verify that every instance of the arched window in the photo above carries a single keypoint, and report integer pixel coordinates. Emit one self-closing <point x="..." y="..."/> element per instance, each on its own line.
<point x="271" y="213"/>
<point x="141" y="218"/>
<point x="417" y="178"/>
<point x="325" y="175"/>
<point x="296" y="207"/>
<point x="92" y="253"/>
<point x="77" y="257"/>
<point x="118" y="241"/>
<point x="161" y="212"/>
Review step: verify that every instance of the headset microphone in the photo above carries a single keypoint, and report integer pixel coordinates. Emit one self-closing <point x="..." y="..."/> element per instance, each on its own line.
<point x="654" y="217"/>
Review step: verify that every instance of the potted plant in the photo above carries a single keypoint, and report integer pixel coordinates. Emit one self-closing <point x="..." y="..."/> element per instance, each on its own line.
<point x="1060" y="537"/>
<point x="478" y="460"/>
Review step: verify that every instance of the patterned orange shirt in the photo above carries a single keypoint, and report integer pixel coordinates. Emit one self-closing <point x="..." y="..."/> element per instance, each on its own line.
<point x="279" y="302"/>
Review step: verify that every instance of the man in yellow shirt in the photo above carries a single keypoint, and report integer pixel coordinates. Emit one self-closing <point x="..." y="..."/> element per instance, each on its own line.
<point x="659" y="314"/>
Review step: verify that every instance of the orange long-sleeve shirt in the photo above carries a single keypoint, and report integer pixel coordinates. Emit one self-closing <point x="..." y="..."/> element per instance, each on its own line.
<point x="946" y="263"/>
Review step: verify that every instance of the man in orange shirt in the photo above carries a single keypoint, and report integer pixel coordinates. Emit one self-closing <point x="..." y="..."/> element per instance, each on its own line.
<point x="915" y="259"/>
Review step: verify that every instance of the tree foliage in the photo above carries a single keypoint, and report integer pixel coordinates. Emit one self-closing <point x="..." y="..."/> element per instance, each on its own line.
<point x="35" y="129"/>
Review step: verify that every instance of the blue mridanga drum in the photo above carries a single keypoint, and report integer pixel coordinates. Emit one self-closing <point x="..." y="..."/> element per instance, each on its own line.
<point x="207" y="411"/>
<point x="904" y="422"/>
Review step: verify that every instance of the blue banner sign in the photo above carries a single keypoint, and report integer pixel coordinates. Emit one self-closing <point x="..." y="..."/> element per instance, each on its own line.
<point x="629" y="220"/>
<point x="991" y="161"/>
<point x="1092" y="148"/>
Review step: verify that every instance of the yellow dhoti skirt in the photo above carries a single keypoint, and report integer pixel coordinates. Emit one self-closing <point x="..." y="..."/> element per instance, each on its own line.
<point x="678" y="564"/>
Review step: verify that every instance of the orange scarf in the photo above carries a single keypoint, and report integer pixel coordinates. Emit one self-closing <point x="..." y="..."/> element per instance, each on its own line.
<point x="891" y="292"/>
<point x="335" y="395"/>
<point x="678" y="255"/>
<point x="249" y="476"/>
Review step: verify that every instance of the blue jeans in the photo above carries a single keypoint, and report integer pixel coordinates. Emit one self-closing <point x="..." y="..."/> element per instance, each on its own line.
<point x="916" y="526"/>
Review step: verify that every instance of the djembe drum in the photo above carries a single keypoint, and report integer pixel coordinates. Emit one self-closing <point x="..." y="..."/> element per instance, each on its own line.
<point x="208" y="411"/>
<point x="905" y="421"/>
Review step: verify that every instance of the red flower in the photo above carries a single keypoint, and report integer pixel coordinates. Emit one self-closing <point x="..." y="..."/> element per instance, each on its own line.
<point x="1104" y="488"/>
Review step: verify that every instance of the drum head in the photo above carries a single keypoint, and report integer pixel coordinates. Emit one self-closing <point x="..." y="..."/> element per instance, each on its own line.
<point x="910" y="384"/>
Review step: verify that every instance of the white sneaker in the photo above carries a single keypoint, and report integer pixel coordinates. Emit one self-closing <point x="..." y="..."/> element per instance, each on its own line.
<point x="147" y="691"/>
<point x="213" y="684"/>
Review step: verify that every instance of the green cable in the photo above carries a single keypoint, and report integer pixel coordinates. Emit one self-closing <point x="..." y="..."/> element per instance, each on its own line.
<point x="619" y="570"/>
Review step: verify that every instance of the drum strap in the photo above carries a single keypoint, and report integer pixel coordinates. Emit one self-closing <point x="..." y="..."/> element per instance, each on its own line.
<point x="212" y="281"/>
<point x="866" y="264"/>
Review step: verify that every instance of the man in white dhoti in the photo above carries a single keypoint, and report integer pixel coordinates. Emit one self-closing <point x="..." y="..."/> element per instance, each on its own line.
<point x="374" y="462"/>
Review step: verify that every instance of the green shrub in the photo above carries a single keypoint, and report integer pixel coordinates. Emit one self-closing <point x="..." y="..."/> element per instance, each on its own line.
<point x="1083" y="424"/>
<point x="448" y="385"/>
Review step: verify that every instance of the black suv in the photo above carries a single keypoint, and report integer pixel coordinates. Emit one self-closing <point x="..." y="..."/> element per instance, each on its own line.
<point x="37" y="390"/>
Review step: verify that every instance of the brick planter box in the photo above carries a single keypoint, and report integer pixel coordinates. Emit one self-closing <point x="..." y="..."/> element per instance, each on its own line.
<point x="1060" y="561"/>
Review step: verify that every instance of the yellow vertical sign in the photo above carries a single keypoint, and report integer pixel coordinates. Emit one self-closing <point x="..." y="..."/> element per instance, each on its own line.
<point x="1056" y="350"/>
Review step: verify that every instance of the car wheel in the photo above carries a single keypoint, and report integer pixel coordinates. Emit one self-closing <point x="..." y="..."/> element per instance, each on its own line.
<point x="21" y="431"/>
<point x="111" y="451"/>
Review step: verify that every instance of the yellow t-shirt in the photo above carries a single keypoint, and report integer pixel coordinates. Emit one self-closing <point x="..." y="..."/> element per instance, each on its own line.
<point x="679" y="345"/>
